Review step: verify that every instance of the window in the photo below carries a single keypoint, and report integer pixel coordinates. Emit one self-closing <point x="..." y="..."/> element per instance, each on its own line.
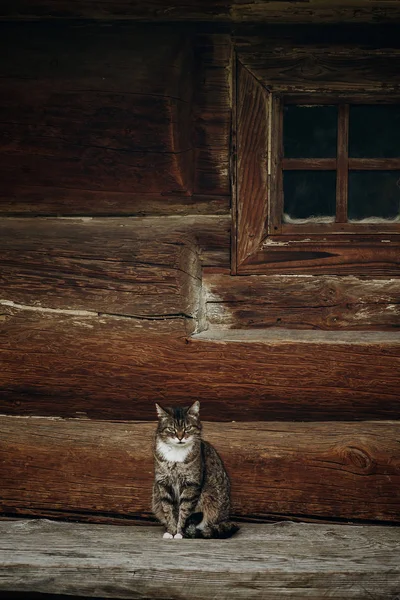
<point x="338" y="165"/>
<point x="317" y="180"/>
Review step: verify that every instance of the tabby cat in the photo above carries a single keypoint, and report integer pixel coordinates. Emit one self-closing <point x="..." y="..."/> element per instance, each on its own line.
<point x="191" y="491"/>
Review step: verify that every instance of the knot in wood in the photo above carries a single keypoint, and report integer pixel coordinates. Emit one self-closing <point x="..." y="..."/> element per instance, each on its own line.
<point x="311" y="68"/>
<point x="358" y="458"/>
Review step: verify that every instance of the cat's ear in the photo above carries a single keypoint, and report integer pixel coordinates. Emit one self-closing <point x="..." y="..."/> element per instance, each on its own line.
<point x="194" y="409"/>
<point x="160" y="411"/>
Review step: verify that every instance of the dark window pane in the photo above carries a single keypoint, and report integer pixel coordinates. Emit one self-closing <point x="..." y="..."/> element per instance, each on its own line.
<point x="374" y="194"/>
<point x="309" y="195"/>
<point x="310" y="131"/>
<point x="374" y="131"/>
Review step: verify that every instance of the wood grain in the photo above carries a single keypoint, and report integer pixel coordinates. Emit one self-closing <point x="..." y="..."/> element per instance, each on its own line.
<point x="252" y="163"/>
<point x="345" y="254"/>
<point x="124" y="267"/>
<point x="236" y="11"/>
<point x="284" y="560"/>
<point x="327" y="470"/>
<point x="301" y="302"/>
<point x="112" y="115"/>
<point x="212" y="113"/>
<point x="337" y="67"/>
<point x="107" y="367"/>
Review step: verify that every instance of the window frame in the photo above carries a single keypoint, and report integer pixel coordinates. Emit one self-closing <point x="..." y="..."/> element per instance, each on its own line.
<point x="262" y="243"/>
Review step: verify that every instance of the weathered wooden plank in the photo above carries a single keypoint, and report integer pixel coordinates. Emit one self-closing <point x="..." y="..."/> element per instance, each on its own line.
<point x="352" y="254"/>
<point x="111" y="115"/>
<point x="327" y="470"/>
<point x="128" y="267"/>
<point x="45" y="164"/>
<point x="297" y="11"/>
<point x="334" y="67"/>
<point x="120" y="58"/>
<point x="301" y="302"/>
<point x="253" y="154"/>
<point x="284" y="560"/>
<point x="64" y="364"/>
<point x="18" y="200"/>
<point x="147" y="123"/>
<point x="212" y="112"/>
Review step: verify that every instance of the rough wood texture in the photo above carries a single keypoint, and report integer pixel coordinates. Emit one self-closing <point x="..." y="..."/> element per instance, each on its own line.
<point x="284" y="560"/>
<point x="252" y="163"/>
<point x="67" y="364"/>
<point x="212" y="113"/>
<point x="326" y="470"/>
<point x="298" y="63"/>
<point x="302" y="302"/>
<point x="294" y="11"/>
<point x="109" y="265"/>
<point x="112" y="115"/>
<point x="130" y="267"/>
<point x="347" y="254"/>
<point x="342" y="65"/>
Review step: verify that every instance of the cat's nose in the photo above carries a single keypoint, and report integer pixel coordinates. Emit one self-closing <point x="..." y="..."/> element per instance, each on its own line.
<point x="179" y="435"/>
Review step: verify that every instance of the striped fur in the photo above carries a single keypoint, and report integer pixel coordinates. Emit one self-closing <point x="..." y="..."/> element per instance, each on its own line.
<point x="191" y="491"/>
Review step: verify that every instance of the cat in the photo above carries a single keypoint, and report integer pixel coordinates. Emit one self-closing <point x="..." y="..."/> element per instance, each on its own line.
<point x="191" y="491"/>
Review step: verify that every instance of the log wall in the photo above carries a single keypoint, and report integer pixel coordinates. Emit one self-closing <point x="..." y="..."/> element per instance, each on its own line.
<point x="116" y="292"/>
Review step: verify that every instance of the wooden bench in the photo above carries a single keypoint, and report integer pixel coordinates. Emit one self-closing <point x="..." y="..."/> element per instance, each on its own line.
<point x="280" y="560"/>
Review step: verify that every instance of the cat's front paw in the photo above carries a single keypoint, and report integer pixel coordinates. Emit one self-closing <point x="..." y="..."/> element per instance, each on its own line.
<point x="178" y="536"/>
<point x="167" y="536"/>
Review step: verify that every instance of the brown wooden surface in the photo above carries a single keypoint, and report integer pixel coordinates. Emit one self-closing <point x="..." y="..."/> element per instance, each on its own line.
<point x="327" y="254"/>
<point x="212" y="113"/>
<point x="330" y="470"/>
<point x="68" y="364"/>
<point x="59" y="261"/>
<point x="128" y="267"/>
<point x="338" y="66"/>
<point x="89" y="109"/>
<point x="283" y="560"/>
<point x="252" y="116"/>
<point x="295" y="11"/>
<point x="302" y="302"/>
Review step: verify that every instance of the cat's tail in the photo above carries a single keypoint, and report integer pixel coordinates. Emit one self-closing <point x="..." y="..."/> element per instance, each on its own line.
<point x="222" y="530"/>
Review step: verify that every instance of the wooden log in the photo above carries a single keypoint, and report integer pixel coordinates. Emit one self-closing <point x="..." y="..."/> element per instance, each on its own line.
<point x="326" y="470"/>
<point x="236" y="11"/>
<point x="127" y="267"/>
<point x="284" y="560"/>
<point x="139" y="266"/>
<point x="301" y="302"/>
<point x="213" y="107"/>
<point x="54" y="201"/>
<point x="323" y="68"/>
<point x="64" y="363"/>
<point x="112" y="115"/>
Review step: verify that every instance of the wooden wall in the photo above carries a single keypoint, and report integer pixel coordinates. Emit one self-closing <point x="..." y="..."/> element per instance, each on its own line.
<point x="116" y="292"/>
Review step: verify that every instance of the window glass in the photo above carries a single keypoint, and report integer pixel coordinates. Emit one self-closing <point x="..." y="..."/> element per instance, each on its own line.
<point x="309" y="195"/>
<point x="310" y="131"/>
<point x="374" y="131"/>
<point x="374" y="195"/>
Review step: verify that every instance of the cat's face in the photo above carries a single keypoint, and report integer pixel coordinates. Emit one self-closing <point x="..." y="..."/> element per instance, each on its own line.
<point x="178" y="426"/>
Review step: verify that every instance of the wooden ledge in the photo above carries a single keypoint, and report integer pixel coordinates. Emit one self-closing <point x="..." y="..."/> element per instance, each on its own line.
<point x="262" y="561"/>
<point x="275" y="335"/>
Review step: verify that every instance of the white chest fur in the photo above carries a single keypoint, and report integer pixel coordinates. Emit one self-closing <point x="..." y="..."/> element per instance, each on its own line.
<point x="173" y="453"/>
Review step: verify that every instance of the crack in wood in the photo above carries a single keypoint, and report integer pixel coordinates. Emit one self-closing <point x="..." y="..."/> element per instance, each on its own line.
<point x="93" y="314"/>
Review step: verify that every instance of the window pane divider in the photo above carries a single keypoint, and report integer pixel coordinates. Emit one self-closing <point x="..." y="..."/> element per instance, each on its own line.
<point x="370" y="164"/>
<point x="298" y="164"/>
<point x="342" y="164"/>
